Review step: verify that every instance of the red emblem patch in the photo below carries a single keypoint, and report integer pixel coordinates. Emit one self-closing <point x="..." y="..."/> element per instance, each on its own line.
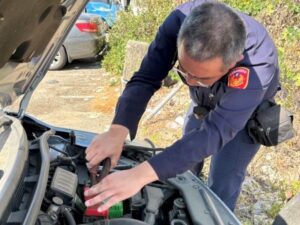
<point x="238" y="78"/>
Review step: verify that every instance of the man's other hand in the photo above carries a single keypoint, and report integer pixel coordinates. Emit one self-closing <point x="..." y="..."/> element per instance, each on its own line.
<point x="119" y="186"/>
<point x="108" y="144"/>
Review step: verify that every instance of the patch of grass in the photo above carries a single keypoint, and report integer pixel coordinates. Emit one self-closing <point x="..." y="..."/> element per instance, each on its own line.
<point x="251" y="7"/>
<point x="288" y="189"/>
<point x="247" y="222"/>
<point x="274" y="210"/>
<point x="294" y="187"/>
<point x="154" y="137"/>
<point x="113" y="81"/>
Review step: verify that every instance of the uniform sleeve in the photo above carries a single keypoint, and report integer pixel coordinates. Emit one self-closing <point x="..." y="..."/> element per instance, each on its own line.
<point x="220" y="126"/>
<point x="160" y="58"/>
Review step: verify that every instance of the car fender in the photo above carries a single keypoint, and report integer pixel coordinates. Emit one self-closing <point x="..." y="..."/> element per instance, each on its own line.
<point x="70" y="59"/>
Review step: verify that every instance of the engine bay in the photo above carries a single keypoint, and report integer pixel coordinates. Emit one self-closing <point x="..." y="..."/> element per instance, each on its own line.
<point x="68" y="177"/>
<point x="49" y="190"/>
<point x="63" y="203"/>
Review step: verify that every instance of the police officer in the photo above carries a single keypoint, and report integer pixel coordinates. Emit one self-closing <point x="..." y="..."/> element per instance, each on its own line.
<point x="230" y="64"/>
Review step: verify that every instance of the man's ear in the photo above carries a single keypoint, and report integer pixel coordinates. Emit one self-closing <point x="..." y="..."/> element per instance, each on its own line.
<point x="241" y="58"/>
<point x="234" y="63"/>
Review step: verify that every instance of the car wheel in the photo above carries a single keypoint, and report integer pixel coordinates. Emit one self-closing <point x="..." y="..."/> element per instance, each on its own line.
<point x="59" y="60"/>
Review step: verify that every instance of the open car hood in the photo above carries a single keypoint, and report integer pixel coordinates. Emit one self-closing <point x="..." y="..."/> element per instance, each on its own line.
<point x="31" y="32"/>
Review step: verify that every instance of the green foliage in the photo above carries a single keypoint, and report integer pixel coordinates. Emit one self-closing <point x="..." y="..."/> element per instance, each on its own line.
<point x="294" y="187"/>
<point x="291" y="33"/>
<point x="274" y="210"/>
<point x="289" y="77"/>
<point x="174" y="76"/>
<point x="288" y="189"/>
<point x="294" y="7"/>
<point x="140" y="27"/>
<point x="247" y="222"/>
<point x="251" y="7"/>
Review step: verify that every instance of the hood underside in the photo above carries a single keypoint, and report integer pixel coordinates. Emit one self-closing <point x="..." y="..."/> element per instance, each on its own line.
<point x="31" y="32"/>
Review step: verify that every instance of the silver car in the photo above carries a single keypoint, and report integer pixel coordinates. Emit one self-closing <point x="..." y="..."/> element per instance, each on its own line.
<point x="85" y="40"/>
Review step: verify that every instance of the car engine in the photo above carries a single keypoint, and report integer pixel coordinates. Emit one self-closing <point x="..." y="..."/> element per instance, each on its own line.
<point x="63" y="203"/>
<point x="45" y="180"/>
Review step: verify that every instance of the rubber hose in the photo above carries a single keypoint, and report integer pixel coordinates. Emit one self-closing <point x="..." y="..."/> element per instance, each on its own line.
<point x="68" y="215"/>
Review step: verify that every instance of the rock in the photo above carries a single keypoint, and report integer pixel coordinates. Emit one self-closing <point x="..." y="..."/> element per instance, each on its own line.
<point x="269" y="173"/>
<point x="172" y="125"/>
<point x="134" y="53"/>
<point x="269" y="156"/>
<point x="179" y="120"/>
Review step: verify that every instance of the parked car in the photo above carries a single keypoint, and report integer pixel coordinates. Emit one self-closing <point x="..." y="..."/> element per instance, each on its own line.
<point x="85" y="40"/>
<point x="43" y="169"/>
<point x="106" y="9"/>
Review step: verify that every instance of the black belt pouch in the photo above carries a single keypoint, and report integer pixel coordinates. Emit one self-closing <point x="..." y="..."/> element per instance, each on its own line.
<point x="271" y="124"/>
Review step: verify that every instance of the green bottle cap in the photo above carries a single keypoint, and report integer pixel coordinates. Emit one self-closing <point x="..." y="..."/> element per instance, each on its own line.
<point x="116" y="211"/>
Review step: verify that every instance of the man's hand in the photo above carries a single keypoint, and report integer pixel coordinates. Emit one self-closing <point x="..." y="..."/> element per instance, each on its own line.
<point x="120" y="185"/>
<point x="108" y="144"/>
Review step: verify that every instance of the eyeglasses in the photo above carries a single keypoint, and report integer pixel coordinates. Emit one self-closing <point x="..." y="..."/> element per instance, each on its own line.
<point x="186" y="75"/>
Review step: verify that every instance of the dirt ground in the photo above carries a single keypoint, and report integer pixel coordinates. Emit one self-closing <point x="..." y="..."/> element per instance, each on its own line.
<point x="74" y="97"/>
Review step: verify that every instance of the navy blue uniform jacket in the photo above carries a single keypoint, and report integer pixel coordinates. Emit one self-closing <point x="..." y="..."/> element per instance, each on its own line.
<point x="232" y="108"/>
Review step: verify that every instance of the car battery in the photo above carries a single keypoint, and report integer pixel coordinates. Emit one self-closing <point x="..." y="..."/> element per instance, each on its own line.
<point x="92" y="210"/>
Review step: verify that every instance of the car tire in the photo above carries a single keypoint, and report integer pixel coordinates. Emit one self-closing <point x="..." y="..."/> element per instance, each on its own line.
<point x="59" y="60"/>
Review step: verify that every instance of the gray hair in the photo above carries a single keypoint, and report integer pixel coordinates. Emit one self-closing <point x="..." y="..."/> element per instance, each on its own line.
<point x="212" y="30"/>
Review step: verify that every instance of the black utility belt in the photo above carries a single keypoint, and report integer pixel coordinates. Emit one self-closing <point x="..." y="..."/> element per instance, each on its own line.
<point x="270" y="124"/>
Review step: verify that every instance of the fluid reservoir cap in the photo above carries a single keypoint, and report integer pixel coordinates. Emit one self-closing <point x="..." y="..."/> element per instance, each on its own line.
<point x="178" y="222"/>
<point x="57" y="201"/>
<point x="179" y="203"/>
<point x="116" y="211"/>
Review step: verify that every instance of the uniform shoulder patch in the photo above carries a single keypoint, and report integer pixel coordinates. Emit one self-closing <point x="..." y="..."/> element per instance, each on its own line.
<point x="238" y="78"/>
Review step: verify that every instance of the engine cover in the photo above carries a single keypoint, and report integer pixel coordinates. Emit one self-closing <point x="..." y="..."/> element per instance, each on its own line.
<point x="64" y="183"/>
